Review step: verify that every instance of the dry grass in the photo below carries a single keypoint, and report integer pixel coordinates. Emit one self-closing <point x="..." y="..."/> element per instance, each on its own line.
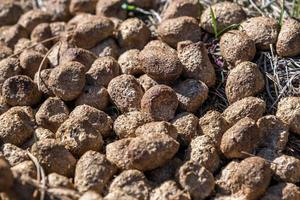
<point x="293" y="146"/>
<point x="41" y="177"/>
<point x="282" y="77"/>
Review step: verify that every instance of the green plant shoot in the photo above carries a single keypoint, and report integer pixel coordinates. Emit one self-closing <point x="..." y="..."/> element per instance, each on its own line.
<point x="128" y="7"/>
<point x="214" y="22"/>
<point x="296" y="8"/>
<point x="281" y="13"/>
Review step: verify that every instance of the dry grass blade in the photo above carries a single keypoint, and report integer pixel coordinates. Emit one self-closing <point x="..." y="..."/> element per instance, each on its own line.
<point x="252" y="155"/>
<point x="34" y="45"/>
<point x="41" y="42"/>
<point x="39" y="78"/>
<point x="41" y="177"/>
<point x="256" y="7"/>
